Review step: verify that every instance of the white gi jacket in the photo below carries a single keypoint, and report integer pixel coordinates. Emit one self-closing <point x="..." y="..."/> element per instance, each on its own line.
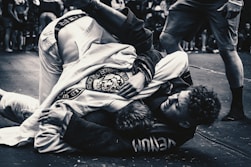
<point x="97" y="49"/>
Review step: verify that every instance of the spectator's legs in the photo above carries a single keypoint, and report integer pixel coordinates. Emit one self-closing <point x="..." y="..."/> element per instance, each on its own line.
<point x="170" y="43"/>
<point x="7" y="34"/>
<point x="175" y="31"/>
<point x="20" y="40"/>
<point x="17" y="39"/>
<point x="225" y="33"/>
<point x="185" y="45"/>
<point x="234" y="73"/>
<point x="7" y="40"/>
<point x="204" y="40"/>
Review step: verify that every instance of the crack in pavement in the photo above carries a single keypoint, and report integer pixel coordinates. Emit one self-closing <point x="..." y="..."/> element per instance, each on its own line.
<point x="216" y="72"/>
<point x="223" y="144"/>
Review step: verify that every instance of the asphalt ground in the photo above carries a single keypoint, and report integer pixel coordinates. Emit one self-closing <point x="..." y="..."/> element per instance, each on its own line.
<point x="222" y="144"/>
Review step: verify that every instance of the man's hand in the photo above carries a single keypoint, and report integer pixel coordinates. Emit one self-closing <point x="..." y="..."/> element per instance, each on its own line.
<point x="52" y="116"/>
<point x="231" y="9"/>
<point x="133" y="86"/>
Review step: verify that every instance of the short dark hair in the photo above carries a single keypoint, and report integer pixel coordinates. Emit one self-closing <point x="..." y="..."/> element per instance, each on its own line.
<point x="203" y="105"/>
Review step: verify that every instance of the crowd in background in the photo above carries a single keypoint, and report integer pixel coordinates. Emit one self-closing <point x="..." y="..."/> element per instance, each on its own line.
<point x="21" y="22"/>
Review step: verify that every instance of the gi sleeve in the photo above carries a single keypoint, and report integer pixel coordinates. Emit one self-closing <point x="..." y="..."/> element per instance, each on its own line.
<point x="134" y="33"/>
<point x="49" y="137"/>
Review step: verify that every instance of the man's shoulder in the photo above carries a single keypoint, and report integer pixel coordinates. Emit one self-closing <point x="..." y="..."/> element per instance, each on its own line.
<point x="49" y="30"/>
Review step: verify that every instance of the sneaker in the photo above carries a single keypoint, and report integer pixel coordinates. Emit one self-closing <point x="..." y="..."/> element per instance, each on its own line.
<point x="204" y="49"/>
<point x="8" y="50"/>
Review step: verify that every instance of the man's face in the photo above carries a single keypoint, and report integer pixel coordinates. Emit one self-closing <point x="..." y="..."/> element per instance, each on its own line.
<point x="175" y="108"/>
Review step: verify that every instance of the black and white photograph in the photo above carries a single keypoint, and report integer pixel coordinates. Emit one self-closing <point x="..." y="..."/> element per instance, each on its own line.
<point x="124" y="83"/>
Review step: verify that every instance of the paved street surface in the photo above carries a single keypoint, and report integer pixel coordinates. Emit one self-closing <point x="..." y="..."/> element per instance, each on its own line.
<point x="223" y="144"/>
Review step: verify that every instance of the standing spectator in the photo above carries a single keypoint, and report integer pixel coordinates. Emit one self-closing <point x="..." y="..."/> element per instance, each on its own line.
<point x="19" y="12"/>
<point x="189" y="46"/>
<point x="5" y="21"/>
<point x="212" y="43"/>
<point x="223" y="17"/>
<point x="31" y="34"/>
<point x="245" y="38"/>
<point x="204" y="40"/>
<point x="155" y="22"/>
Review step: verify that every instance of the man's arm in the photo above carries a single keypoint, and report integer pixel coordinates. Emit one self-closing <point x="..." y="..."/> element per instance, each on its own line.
<point x="62" y="130"/>
<point x="125" y="25"/>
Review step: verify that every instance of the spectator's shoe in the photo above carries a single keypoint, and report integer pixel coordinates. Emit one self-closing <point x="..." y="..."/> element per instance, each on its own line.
<point x="234" y="116"/>
<point x="204" y="49"/>
<point x="236" y="113"/>
<point x="8" y="50"/>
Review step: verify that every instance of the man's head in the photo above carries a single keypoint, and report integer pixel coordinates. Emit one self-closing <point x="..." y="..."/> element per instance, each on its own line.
<point x="194" y="106"/>
<point x="135" y="116"/>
